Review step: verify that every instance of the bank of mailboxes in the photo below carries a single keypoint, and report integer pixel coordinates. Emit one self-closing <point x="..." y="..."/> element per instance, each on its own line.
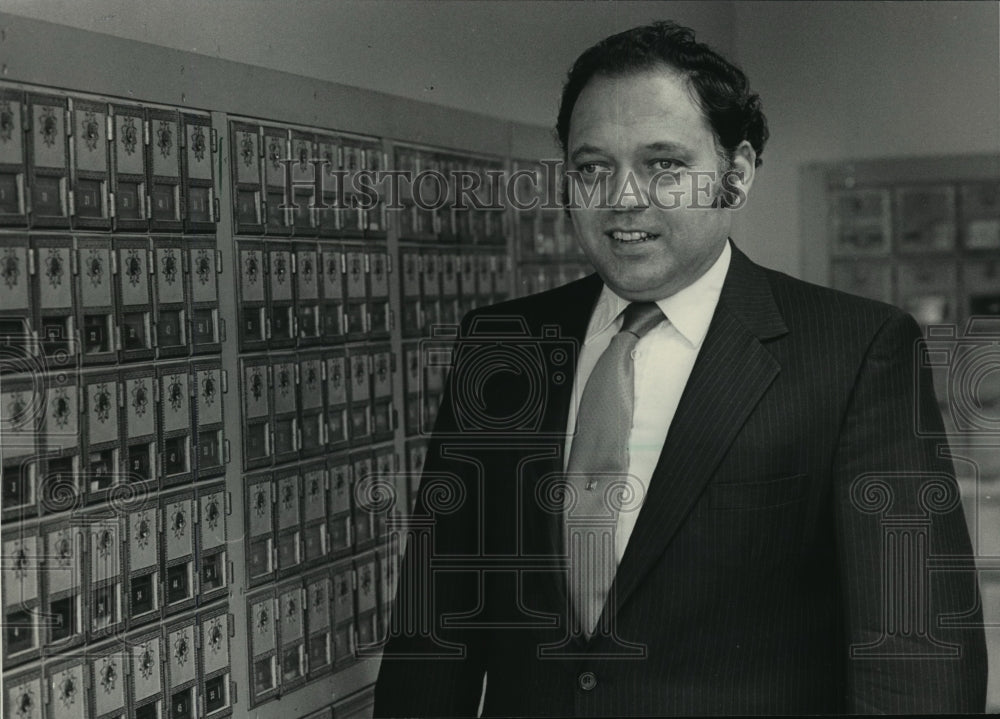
<point x="308" y="293"/>
<point x="84" y="164"/>
<point x="102" y="572"/>
<point x="111" y="300"/>
<point x="449" y="198"/>
<point x="298" y="405"/>
<point x="439" y="286"/>
<point x="179" y="670"/>
<point x="295" y="182"/>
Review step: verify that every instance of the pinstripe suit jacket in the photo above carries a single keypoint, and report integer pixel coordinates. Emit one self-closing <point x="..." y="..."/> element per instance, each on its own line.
<point x="768" y="571"/>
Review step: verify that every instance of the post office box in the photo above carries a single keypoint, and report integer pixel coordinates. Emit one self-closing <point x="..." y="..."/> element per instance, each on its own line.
<point x="23" y="695"/>
<point x="281" y="307"/>
<point x="340" y="485"/>
<point x="210" y="382"/>
<point x="256" y="401"/>
<point x="62" y="580"/>
<point x="357" y="274"/>
<point x="17" y="321"/>
<point x="171" y="310"/>
<point x="175" y="393"/>
<point x="13" y="203"/>
<point x="501" y="277"/>
<point x="250" y="259"/>
<point x="381" y="265"/>
<point x="292" y="635"/>
<point x="96" y="320"/>
<point x="307" y="303"/>
<point x="91" y="167"/>
<point x="206" y="327"/>
<point x="128" y="158"/>
<point x="139" y="388"/>
<point x="22" y="614"/>
<point x="468" y="274"/>
<point x="212" y="564"/>
<point x="260" y="535"/>
<point x="366" y="619"/>
<point x="143" y="598"/>
<point x="313" y="422"/>
<point x="304" y="196"/>
<point x="198" y="161"/>
<point x="146" y="656"/>
<point x="337" y="380"/>
<point x="48" y="160"/>
<point x="20" y="481"/>
<point x="362" y="471"/>
<point x="67" y="691"/>
<point x="343" y="594"/>
<point x="359" y="362"/>
<point x="55" y="296"/>
<point x="277" y="150"/>
<point x="215" y="629"/>
<point x="108" y="677"/>
<point x="414" y="411"/>
<point x="432" y="264"/>
<point x="331" y="319"/>
<point x="263" y="646"/>
<point x="388" y="564"/>
<point x="284" y="373"/>
<point x="412" y="324"/>
<point x="319" y="643"/>
<point x="412" y="272"/>
<point x="179" y="518"/>
<point x="102" y="460"/>
<point x="106" y="537"/>
<point x="288" y="506"/>
<point x="135" y="300"/>
<point x="182" y="671"/>
<point x="165" y="201"/>
<point x="246" y="155"/>
<point x="314" y="530"/>
<point x="20" y="406"/>
<point x="484" y="276"/>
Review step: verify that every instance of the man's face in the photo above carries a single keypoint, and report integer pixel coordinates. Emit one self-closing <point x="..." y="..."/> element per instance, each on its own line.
<point x="626" y="131"/>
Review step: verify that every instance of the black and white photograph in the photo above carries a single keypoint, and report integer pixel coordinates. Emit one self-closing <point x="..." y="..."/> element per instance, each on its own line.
<point x="499" y="358"/>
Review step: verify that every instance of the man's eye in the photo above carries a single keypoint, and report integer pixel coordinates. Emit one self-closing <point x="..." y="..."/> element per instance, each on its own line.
<point x="667" y="164"/>
<point x="589" y="168"/>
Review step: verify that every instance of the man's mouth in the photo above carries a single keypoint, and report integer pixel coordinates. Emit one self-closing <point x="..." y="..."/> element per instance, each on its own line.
<point x="631" y="236"/>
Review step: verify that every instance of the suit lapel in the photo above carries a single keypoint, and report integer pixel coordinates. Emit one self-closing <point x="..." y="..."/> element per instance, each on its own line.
<point x="570" y="312"/>
<point x="731" y="374"/>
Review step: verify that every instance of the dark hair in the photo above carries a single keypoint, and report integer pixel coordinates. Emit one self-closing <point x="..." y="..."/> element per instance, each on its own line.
<point x="721" y="88"/>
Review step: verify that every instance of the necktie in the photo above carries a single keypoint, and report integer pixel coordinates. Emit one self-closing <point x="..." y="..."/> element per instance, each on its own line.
<point x="598" y="465"/>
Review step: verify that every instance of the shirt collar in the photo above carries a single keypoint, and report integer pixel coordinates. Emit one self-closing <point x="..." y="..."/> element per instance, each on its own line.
<point x="690" y="310"/>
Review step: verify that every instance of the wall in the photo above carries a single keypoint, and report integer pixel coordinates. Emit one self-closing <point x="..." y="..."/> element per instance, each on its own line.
<point x="505" y="59"/>
<point x="843" y="81"/>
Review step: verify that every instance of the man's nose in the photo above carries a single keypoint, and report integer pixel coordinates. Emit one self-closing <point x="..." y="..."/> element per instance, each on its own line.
<point x="628" y="193"/>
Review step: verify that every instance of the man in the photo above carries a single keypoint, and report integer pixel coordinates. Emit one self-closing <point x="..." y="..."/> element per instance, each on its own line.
<point x="768" y="508"/>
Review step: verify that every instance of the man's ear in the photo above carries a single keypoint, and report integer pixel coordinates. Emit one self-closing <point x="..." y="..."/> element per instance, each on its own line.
<point x="738" y="180"/>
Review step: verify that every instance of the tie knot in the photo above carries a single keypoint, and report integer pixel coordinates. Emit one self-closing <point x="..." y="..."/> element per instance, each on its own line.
<point x="641" y="317"/>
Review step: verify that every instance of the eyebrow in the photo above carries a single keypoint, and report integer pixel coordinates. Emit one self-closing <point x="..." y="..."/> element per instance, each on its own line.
<point x="670" y="147"/>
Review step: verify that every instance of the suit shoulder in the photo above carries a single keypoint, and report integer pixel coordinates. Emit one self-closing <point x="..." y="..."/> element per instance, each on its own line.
<point x="799" y="298"/>
<point x="537" y="306"/>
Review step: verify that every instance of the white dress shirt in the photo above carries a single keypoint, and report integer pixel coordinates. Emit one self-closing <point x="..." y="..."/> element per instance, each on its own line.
<point x="663" y="362"/>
